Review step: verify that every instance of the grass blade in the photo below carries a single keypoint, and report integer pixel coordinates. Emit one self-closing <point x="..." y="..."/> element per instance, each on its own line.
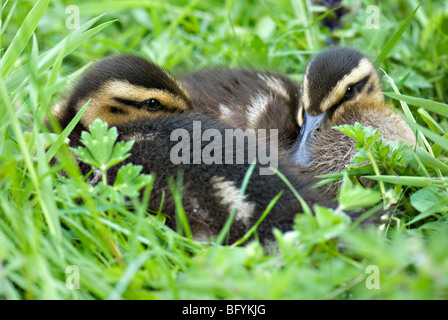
<point x="413" y="181"/>
<point x="392" y="41"/>
<point x="20" y="40"/>
<point x="407" y="112"/>
<point x="225" y="230"/>
<point x="441" y="141"/>
<point x="260" y="220"/>
<point x="429" y="105"/>
<point x="429" y="160"/>
<point x="15" y="124"/>
<point x="128" y="275"/>
<point x="49" y="58"/>
<point x="61" y="138"/>
<point x="306" y="209"/>
<point x="432" y="124"/>
<point x="176" y="191"/>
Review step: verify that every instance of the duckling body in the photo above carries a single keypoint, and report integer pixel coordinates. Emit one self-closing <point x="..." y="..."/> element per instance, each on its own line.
<point x="210" y="192"/>
<point x="247" y="99"/>
<point x="147" y="105"/>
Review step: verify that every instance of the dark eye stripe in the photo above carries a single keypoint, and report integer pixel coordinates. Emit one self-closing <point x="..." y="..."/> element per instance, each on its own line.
<point x="116" y="110"/>
<point x="357" y="88"/>
<point x="132" y="103"/>
<point x="140" y="105"/>
<point x="360" y="85"/>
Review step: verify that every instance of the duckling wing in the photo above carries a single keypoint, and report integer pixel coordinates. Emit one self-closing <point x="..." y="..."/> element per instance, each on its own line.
<point x="246" y="99"/>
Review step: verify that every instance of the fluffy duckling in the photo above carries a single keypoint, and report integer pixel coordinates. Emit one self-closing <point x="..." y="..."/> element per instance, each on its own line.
<point x="147" y="105"/>
<point x="341" y="86"/>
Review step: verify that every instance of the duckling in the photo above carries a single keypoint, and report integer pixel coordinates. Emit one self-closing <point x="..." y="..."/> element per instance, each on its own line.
<point x="147" y="105"/>
<point x="341" y="86"/>
<point x="247" y="99"/>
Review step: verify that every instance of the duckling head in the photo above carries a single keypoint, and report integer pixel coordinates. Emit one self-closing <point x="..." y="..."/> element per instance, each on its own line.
<point x="123" y="89"/>
<point x="341" y="86"/>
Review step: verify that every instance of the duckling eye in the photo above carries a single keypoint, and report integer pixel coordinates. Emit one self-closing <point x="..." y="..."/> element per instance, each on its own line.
<point x="350" y="90"/>
<point x="152" y="104"/>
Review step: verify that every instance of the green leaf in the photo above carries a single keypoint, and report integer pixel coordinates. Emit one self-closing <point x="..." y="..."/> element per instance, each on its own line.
<point x="129" y="180"/>
<point x="427" y="198"/>
<point x="364" y="136"/>
<point x="120" y="152"/>
<point x="389" y="153"/>
<point x="352" y="197"/>
<point x="100" y="141"/>
<point x="100" y="149"/>
<point x="429" y="201"/>
<point x="331" y="223"/>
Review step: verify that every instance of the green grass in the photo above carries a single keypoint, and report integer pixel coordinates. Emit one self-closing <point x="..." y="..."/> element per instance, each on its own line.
<point x="123" y="252"/>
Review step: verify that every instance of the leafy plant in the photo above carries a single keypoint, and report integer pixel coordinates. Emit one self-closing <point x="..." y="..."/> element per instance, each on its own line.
<point x="374" y="155"/>
<point x="102" y="152"/>
<point x="396" y="158"/>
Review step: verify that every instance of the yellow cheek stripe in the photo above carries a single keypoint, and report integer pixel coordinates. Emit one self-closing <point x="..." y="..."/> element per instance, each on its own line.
<point x="363" y="69"/>
<point x="125" y="90"/>
<point x="305" y="99"/>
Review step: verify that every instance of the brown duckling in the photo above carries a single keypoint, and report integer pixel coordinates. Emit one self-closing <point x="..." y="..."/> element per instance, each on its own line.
<point x="147" y="105"/>
<point x="340" y="86"/>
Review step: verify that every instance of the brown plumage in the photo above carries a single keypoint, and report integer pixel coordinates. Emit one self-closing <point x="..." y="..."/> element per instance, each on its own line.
<point x="340" y="86"/>
<point x="147" y="105"/>
<point x="247" y="99"/>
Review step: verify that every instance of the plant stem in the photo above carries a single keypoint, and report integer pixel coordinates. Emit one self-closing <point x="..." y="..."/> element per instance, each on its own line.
<point x="377" y="173"/>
